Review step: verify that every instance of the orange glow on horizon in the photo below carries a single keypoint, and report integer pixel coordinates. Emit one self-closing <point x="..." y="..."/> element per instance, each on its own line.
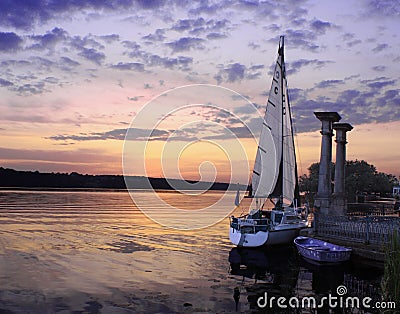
<point x="368" y="142"/>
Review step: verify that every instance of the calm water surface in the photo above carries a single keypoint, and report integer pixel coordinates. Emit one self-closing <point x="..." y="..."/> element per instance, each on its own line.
<point x="95" y="252"/>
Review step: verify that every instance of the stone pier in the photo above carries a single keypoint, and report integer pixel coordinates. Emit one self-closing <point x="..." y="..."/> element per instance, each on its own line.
<point x="338" y="201"/>
<point x="322" y="199"/>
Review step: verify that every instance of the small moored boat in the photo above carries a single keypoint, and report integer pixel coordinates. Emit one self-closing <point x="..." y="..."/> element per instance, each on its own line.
<point x="321" y="251"/>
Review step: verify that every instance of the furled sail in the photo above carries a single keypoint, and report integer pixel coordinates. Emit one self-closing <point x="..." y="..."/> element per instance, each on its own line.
<point x="274" y="173"/>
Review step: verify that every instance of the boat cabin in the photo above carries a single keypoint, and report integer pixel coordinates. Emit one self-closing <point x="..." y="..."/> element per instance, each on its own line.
<point x="274" y="217"/>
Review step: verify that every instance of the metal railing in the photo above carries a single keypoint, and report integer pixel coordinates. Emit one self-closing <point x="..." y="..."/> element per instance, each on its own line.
<point x="371" y="209"/>
<point x="370" y="229"/>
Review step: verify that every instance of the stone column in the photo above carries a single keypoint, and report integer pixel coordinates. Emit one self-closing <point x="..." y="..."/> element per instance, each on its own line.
<point x="339" y="205"/>
<point x="322" y="199"/>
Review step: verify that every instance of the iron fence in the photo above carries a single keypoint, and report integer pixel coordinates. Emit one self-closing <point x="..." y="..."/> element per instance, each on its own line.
<point x="369" y="229"/>
<point x="371" y="209"/>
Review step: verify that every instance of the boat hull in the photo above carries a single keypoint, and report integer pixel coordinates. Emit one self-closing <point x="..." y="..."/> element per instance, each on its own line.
<point x="321" y="251"/>
<point x="279" y="236"/>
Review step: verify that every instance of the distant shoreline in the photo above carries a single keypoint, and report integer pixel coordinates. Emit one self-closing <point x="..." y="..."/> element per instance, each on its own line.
<point x="47" y="189"/>
<point x="35" y="180"/>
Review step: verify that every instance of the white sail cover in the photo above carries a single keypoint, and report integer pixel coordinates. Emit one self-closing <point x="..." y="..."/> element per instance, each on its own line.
<point x="275" y="165"/>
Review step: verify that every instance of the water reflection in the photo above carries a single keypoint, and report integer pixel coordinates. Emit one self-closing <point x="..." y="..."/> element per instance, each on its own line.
<point x="273" y="271"/>
<point x="73" y="251"/>
<point x="359" y="280"/>
<point x="325" y="278"/>
<point x="281" y="272"/>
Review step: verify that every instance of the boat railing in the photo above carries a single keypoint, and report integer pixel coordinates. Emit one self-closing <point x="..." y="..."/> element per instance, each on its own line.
<point x="252" y="225"/>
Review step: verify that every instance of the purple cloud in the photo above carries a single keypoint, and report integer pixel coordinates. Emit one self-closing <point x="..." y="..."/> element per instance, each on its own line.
<point x="231" y="73"/>
<point x="381" y="84"/>
<point x="380" y="47"/>
<point x="131" y="66"/>
<point x="9" y="42"/>
<point x="65" y="61"/>
<point x="206" y="7"/>
<point x="25" y="14"/>
<point x="109" y="38"/>
<point x="353" y="43"/>
<point x="200" y="26"/>
<point x="187" y="24"/>
<point x="158" y="35"/>
<point x="383" y="8"/>
<point x="152" y="60"/>
<point x="329" y="83"/>
<point x="215" y="35"/>
<point x="348" y="95"/>
<point x="116" y="134"/>
<point x="350" y="40"/>
<point x="186" y="44"/>
<point x="295" y="66"/>
<point x="304" y="39"/>
<point x="31" y="89"/>
<point x="5" y="83"/>
<point x="320" y="26"/>
<point x="379" y="68"/>
<point x="48" y="40"/>
<point x="236" y="72"/>
<point x="93" y="55"/>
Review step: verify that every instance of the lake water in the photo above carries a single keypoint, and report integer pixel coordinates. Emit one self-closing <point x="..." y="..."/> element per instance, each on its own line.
<point x="96" y="252"/>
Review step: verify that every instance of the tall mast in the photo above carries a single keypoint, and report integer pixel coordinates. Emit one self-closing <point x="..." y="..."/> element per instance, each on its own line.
<point x="277" y="192"/>
<point x="281" y="48"/>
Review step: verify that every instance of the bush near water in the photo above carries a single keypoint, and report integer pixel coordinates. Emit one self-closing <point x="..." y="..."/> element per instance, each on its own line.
<point x="391" y="276"/>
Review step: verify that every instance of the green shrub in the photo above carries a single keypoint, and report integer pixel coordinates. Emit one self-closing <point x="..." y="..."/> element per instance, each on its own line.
<point x="391" y="276"/>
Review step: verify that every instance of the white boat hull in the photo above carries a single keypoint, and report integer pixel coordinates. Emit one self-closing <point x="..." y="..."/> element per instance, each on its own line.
<point x="281" y="235"/>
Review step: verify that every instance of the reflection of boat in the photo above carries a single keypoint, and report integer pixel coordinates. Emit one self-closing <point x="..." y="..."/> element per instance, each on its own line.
<point x="248" y="263"/>
<point x="323" y="277"/>
<point x="274" y="271"/>
<point x="360" y="280"/>
<point x="257" y="263"/>
<point x="274" y="175"/>
<point x="321" y="251"/>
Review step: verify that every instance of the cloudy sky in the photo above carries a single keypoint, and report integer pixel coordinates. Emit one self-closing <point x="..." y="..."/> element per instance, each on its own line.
<point x="74" y="75"/>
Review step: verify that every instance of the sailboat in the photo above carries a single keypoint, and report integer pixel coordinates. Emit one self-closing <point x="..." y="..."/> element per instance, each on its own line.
<point x="274" y="175"/>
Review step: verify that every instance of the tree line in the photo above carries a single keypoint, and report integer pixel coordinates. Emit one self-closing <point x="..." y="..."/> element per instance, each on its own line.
<point x="36" y="179"/>
<point x="360" y="177"/>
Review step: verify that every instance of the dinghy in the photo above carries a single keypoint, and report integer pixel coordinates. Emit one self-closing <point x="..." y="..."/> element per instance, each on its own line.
<point x="321" y="251"/>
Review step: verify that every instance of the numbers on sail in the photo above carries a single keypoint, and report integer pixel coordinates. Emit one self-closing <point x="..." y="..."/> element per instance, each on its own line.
<point x="276" y="90"/>
<point x="277" y="74"/>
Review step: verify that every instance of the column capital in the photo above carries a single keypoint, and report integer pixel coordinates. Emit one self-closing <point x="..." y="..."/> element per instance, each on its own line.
<point x="328" y="116"/>
<point x="341" y="130"/>
<point x="345" y="127"/>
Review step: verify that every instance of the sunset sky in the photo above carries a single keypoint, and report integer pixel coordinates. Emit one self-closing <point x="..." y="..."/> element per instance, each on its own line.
<point x="75" y="74"/>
